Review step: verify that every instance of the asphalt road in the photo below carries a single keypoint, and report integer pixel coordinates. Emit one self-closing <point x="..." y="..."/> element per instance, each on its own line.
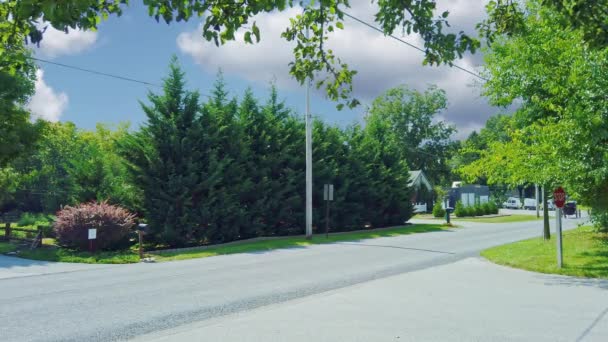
<point x="124" y="301"/>
<point x="469" y="300"/>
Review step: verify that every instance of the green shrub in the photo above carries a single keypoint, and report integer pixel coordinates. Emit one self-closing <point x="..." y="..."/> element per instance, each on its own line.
<point x="599" y="218"/>
<point x="35" y="219"/>
<point x="494" y="208"/>
<point x="438" y="211"/>
<point x="460" y="210"/>
<point x="113" y="226"/>
<point x="479" y="210"/>
<point x="487" y="209"/>
<point x="470" y="211"/>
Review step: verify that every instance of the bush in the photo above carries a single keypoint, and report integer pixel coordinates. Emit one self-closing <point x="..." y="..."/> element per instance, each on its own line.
<point x="599" y="218"/>
<point x="113" y="225"/>
<point x="438" y="211"/>
<point x="487" y="209"/>
<point x="460" y="210"/>
<point x="35" y="219"/>
<point x="479" y="210"/>
<point x="493" y="208"/>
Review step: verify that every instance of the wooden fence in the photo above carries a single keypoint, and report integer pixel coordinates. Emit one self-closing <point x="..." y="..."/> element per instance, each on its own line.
<point x="32" y="235"/>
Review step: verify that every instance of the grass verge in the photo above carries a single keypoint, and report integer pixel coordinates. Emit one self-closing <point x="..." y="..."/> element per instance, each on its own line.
<point x="52" y="253"/>
<point x="6" y="247"/>
<point x="585" y="254"/>
<point x="294" y="242"/>
<point x="498" y="219"/>
<point x="501" y="219"/>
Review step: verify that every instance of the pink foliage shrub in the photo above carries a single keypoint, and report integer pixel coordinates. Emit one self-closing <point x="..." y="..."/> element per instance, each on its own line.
<point x="113" y="225"/>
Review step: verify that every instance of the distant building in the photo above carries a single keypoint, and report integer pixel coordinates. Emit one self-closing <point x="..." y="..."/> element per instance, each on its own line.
<point x="468" y="194"/>
<point x="422" y="197"/>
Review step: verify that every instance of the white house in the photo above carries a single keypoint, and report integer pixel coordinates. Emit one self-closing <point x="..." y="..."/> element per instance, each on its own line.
<point x="423" y="191"/>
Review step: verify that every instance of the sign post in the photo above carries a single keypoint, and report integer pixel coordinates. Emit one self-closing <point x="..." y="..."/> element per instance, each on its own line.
<point x="447" y="209"/>
<point x="559" y="198"/>
<point x="92" y="236"/>
<point x="328" y="196"/>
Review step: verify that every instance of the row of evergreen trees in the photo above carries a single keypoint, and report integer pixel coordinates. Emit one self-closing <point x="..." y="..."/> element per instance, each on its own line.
<point x="224" y="169"/>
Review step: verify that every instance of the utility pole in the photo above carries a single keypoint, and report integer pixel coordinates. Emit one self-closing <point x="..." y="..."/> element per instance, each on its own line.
<point x="308" y="161"/>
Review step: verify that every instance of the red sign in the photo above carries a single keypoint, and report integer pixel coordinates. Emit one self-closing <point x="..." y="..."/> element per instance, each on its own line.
<point x="559" y="197"/>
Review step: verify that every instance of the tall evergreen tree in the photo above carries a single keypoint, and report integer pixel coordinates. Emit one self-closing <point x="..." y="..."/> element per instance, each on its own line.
<point x="166" y="160"/>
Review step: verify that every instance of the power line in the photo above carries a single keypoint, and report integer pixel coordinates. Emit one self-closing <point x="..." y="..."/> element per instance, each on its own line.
<point x="100" y="73"/>
<point x="409" y="44"/>
<point x="95" y="72"/>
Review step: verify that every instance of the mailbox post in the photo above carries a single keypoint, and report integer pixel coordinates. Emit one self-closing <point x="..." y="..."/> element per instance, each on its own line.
<point x="141" y="228"/>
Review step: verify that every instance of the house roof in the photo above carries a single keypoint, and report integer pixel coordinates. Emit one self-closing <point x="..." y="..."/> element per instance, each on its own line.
<point x="417" y="179"/>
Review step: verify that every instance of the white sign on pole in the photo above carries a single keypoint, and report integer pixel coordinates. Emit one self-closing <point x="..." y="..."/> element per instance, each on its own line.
<point x="328" y="192"/>
<point x="92" y="234"/>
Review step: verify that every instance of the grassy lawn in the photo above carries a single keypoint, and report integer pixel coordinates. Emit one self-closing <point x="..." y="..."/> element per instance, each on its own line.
<point x="294" y="242"/>
<point x="48" y="253"/>
<point x="6" y="247"/>
<point x="52" y="253"/>
<point x="585" y="254"/>
<point x="500" y="219"/>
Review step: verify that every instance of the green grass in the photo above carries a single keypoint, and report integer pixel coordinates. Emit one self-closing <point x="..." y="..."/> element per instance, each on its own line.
<point x="295" y="242"/>
<point x="585" y="254"/>
<point x="66" y="255"/>
<point x="6" y="247"/>
<point x="53" y="253"/>
<point x="499" y="219"/>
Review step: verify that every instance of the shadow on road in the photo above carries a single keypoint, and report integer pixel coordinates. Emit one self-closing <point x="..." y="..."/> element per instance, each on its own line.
<point x="574" y="281"/>
<point x="10" y="262"/>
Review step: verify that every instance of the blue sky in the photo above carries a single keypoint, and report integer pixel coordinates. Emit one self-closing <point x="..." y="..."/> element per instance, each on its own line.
<point x="136" y="46"/>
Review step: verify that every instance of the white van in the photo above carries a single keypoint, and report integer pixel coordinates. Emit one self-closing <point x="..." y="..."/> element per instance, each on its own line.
<point x="550" y="205"/>
<point x="512" y="203"/>
<point x="529" y="203"/>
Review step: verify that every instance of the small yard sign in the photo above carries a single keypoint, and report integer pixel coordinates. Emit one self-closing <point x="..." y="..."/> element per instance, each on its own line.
<point x="92" y="234"/>
<point x="328" y="192"/>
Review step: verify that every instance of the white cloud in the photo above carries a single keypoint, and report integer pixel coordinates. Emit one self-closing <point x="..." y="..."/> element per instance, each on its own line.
<point x="260" y="62"/>
<point x="46" y="103"/>
<point x="57" y="43"/>
<point x="381" y="62"/>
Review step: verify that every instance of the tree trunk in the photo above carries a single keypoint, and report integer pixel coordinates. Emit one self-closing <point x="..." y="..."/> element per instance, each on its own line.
<point x="546" y="230"/>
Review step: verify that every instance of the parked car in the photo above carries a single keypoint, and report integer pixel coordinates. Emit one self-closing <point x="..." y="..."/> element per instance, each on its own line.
<point x="512" y="203"/>
<point x="529" y="203"/>
<point x="570" y="209"/>
<point x="550" y="205"/>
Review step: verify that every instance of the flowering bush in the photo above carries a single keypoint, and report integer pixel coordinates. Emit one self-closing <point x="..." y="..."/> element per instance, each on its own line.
<point x="113" y="225"/>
